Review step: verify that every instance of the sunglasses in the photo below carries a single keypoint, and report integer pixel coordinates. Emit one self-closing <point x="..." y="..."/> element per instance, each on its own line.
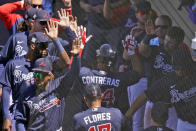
<point x="43" y="45"/>
<point x="161" y="26"/>
<point x="36" y="6"/>
<point x="43" y="23"/>
<point x="39" y="75"/>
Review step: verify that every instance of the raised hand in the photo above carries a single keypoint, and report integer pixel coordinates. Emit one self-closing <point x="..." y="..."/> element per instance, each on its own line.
<point x="52" y="30"/>
<point x="81" y="33"/>
<point x="129" y="44"/>
<point x="64" y="18"/>
<point x="76" y="46"/>
<point x="149" y="26"/>
<point x="73" y="23"/>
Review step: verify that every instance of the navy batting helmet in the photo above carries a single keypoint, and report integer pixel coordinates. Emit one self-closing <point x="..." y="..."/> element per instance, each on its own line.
<point x="106" y="55"/>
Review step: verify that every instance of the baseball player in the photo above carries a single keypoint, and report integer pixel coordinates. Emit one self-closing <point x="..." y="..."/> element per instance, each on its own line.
<point x="44" y="110"/>
<point x="159" y="116"/>
<point x="97" y="118"/>
<point x="18" y="76"/>
<point x="176" y="89"/>
<point x="10" y="19"/>
<point x="111" y="83"/>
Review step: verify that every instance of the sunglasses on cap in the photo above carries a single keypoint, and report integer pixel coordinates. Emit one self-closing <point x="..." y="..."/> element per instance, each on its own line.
<point x="36" y="6"/>
<point x="39" y="75"/>
<point x="144" y="12"/>
<point x="43" y="45"/>
<point x="161" y="26"/>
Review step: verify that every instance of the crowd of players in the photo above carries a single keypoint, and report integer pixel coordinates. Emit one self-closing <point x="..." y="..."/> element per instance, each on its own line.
<point x="129" y="69"/>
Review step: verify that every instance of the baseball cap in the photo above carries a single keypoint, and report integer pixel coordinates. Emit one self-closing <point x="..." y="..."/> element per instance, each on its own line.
<point x="38" y="37"/>
<point x="143" y="6"/>
<point x="30" y="14"/>
<point x="92" y="91"/>
<point x="42" y="15"/>
<point x="43" y="65"/>
<point x="182" y="60"/>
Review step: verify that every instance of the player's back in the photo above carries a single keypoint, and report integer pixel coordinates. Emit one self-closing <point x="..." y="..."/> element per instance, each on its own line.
<point x="98" y="119"/>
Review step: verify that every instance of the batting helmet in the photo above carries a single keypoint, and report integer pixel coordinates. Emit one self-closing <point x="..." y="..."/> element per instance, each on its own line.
<point x="106" y="55"/>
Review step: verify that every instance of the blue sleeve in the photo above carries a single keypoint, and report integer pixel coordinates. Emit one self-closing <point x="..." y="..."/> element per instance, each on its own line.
<point x="73" y="71"/>
<point x="6" y="101"/>
<point x="71" y="35"/>
<point x="8" y="51"/>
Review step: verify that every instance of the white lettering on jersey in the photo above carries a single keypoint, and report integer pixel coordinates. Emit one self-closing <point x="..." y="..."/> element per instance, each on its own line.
<point x="19" y="76"/>
<point x="101" y="80"/>
<point x="176" y="96"/>
<point x="159" y="64"/>
<point x="97" y="117"/>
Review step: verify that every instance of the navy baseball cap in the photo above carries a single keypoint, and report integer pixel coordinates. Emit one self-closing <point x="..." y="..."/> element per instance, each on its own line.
<point x="43" y="65"/>
<point x="30" y="14"/>
<point x="42" y="15"/>
<point x="182" y="60"/>
<point x="92" y="91"/>
<point x="38" y="37"/>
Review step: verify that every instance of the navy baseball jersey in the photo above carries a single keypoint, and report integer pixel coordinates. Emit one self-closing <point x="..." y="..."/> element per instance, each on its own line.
<point x="111" y="83"/>
<point x="45" y="111"/>
<point x="15" y="47"/>
<point x="181" y="93"/>
<point x="157" y="128"/>
<point x="99" y="119"/>
<point x="160" y="63"/>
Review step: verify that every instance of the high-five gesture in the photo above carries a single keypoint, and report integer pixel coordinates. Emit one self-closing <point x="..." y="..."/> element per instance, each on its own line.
<point x="64" y="18"/>
<point x="52" y="30"/>
<point x="76" y="46"/>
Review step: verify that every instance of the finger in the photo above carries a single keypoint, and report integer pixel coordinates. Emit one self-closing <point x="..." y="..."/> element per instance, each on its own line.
<point x="48" y="24"/>
<point x="88" y="38"/>
<point x="59" y="14"/>
<point x="84" y="32"/>
<point x="10" y="128"/>
<point x="46" y="30"/>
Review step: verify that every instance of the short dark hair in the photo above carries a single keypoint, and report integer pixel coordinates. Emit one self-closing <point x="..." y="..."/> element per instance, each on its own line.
<point x="167" y="19"/>
<point x="92" y="91"/>
<point x="159" y="112"/>
<point x="176" y="33"/>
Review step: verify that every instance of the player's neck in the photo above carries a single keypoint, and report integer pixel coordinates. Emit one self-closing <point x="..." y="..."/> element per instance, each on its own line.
<point x="95" y="104"/>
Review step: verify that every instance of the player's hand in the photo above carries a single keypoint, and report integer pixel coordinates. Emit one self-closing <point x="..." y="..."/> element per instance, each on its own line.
<point x="76" y="46"/>
<point x="81" y="33"/>
<point x="7" y="125"/>
<point x="129" y="45"/>
<point x="52" y="30"/>
<point x="73" y="23"/>
<point x="64" y="18"/>
<point x="149" y="26"/>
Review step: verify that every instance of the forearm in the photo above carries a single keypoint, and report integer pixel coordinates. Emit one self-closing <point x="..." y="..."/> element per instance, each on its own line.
<point x="64" y="58"/>
<point x="136" y="64"/>
<point x="6" y="102"/>
<point x="139" y="102"/>
<point x="71" y="34"/>
<point x="107" y="11"/>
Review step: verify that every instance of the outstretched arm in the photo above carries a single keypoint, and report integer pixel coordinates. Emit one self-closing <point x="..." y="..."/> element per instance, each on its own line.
<point x="52" y="33"/>
<point x="140" y="101"/>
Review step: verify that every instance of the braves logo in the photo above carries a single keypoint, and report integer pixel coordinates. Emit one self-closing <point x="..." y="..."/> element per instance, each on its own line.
<point x="43" y="64"/>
